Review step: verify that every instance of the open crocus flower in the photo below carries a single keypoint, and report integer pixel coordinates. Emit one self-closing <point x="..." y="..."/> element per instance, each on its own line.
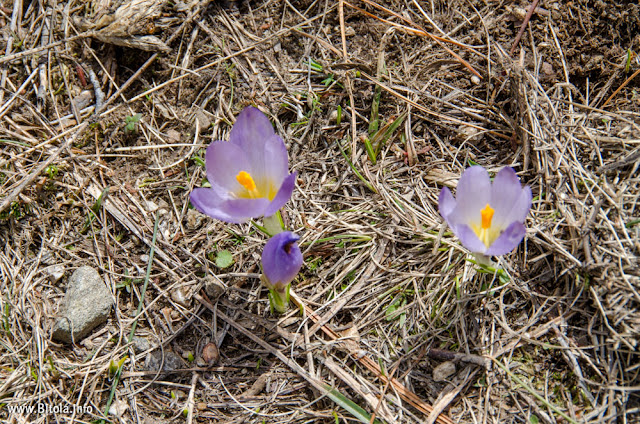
<point x="249" y="174"/>
<point x="281" y="262"/>
<point x="487" y="217"/>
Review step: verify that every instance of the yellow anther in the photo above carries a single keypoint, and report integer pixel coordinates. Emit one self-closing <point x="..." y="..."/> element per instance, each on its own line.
<point x="487" y="216"/>
<point x="244" y="178"/>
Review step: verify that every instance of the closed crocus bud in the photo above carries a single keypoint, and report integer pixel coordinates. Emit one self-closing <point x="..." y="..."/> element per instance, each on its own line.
<point x="281" y="262"/>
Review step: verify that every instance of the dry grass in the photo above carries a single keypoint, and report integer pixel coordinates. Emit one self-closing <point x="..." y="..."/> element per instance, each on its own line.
<point x="387" y="292"/>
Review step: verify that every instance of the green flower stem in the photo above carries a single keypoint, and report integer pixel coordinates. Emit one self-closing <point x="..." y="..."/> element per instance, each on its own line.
<point x="273" y="224"/>
<point x="483" y="260"/>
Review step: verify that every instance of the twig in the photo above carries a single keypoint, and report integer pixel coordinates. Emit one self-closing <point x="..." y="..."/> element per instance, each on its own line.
<point x="34" y="50"/>
<point x="5" y="107"/>
<point x="624" y="84"/>
<point x="344" y="299"/>
<point x="348" y="85"/>
<point x="419" y="31"/>
<point x="446" y="355"/>
<point x="116" y="379"/>
<point x="527" y="18"/>
<point x="364" y="392"/>
<point x="13" y="29"/>
<point x="432" y="112"/>
<point x="316" y="383"/>
<point x="447" y="396"/>
<point x="96" y="87"/>
<point x="190" y="400"/>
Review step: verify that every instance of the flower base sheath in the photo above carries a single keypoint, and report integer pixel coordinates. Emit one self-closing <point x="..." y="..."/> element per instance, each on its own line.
<point x="249" y="174"/>
<point x="487" y="217"/>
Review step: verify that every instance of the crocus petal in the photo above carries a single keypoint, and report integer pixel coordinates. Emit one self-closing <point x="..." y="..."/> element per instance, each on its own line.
<point x="508" y="240"/>
<point x="235" y="211"/>
<point x="281" y="259"/>
<point x="521" y="206"/>
<point x="505" y="193"/>
<point x="469" y="239"/>
<point x="283" y="196"/>
<point x="275" y="159"/>
<point x="446" y="203"/>
<point x="224" y="161"/>
<point x="205" y="199"/>
<point x="251" y="128"/>
<point x="262" y="148"/>
<point x="251" y="133"/>
<point x="472" y="194"/>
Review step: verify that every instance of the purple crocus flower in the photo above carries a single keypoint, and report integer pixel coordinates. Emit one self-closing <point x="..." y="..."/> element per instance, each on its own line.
<point x="249" y="174"/>
<point x="487" y="217"/>
<point x="281" y="262"/>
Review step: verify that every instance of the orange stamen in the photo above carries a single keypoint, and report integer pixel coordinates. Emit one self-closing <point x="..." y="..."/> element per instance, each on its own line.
<point x="244" y="178"/>
<point x="487" y="216"/>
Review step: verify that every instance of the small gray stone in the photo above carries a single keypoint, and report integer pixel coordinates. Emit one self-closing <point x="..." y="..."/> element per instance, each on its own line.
<point x="173" y="135"/>
<point x="152" y="206"/>
<point x="140" y="344"/>
<point x="203" y="120"/>
<point x="213" y="287"/>
<point x="86" y="305"/>
<point x="56" y="272"/>
<point x="181" y="296"/>
<point x="194" y="219"/>
<point x="443" y="371"/>
<point x="48" y="258"/>
<point x="171" y="363"/>
<point x="83" y="99"/>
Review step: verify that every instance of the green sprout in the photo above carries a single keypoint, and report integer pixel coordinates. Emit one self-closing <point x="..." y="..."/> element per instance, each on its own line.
<point x="198" y="160"/>
<point x="131" y="123"/>
<point x="330" y="79"/>
<point x="380" y="136"/>
<point x="16" y="211"/>
<point x="95" y="210"/>
<point x="114" y="367"/>
<point x="314" y="66"/>
<point x="52" y="171"/>
<point x="627" y="66"/>
<point x="313" y="263"/>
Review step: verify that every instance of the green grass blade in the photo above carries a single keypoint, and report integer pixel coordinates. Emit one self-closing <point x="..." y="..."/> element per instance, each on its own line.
<point x="95" y="210"/>
<point x="353" y="408"/>
<point x="369" y="148"/>
<point x="386" y="132"/>
<point x="355" y="171"/>
<point x="374" y="122"/>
